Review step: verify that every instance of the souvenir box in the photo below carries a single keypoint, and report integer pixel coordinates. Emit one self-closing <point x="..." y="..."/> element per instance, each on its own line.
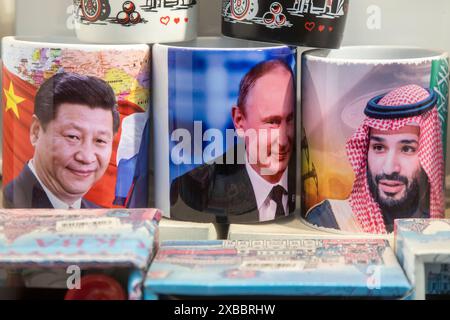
<point x="294" y="227"/>
<point x="276" y="268"/>
<point x="423" y="249"/>
<point x="95" y="254"/>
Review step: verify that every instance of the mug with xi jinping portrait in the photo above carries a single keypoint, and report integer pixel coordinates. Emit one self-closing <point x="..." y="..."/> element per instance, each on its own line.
<point x="374" y="133"/>
<point x="75" y="130"/>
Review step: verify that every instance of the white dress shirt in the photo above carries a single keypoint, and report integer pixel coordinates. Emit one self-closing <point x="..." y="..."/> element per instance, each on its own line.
<point x="55" y="201"/>
<point x="266" y="206"/>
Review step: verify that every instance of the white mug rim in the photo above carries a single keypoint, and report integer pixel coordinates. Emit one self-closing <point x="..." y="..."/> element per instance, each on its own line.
<point x="67" y="42"/>
<point x="375" y="54"/>
<point x="206" y="44"/>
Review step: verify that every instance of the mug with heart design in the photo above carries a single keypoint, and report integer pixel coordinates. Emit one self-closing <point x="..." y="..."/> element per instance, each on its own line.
<point x="309" y="23"/>
<point x="136" y="21"/>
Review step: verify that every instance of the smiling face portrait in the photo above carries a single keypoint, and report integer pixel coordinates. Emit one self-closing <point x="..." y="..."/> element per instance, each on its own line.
<point x="72" y="133"/>
<point x="266" y="114"/>
<point x="73" y="151"/>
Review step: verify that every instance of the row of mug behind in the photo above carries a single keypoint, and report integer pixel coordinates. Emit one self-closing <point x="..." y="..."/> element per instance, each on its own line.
<point x="318" y="23"/>
<point x="221" y="142"/>
<point x="369" y="22"/>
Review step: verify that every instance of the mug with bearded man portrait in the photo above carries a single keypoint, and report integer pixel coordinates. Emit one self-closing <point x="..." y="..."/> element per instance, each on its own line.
<point x="398" y="161"/>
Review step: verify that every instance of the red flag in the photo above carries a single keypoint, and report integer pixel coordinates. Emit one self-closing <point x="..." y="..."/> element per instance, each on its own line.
<point x="18" y="107"/>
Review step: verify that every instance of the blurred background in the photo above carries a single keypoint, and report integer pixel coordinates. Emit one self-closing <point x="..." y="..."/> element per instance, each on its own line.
<point x="370" y="22"/>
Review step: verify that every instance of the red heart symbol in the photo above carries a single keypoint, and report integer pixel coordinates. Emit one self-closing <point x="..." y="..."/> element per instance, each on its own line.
<point x="176" y="20"/>
<point x="165" y="20"/>
<point x="330" y="29"/>
<point x="321" y="28"/>
<point x="186" y="20"/>
<point x="310" y="26"/>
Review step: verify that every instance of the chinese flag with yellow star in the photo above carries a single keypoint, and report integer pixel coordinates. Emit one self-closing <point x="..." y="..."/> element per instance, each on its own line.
<point x="18" y="104"/>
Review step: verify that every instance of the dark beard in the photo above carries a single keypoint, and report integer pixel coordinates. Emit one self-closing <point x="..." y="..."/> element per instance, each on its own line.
<point x="416" y="195"/>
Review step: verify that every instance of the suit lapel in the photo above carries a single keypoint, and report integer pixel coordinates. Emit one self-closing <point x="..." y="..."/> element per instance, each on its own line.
<point x="85" y="204"/>
<point x="233" y="195"/>
<point x="39" y="199"/>
<point x="240" y="194"/>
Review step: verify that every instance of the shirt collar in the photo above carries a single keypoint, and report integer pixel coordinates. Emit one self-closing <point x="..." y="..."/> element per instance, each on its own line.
<point x="261" y="187"/>
<point x="54" y="200"/>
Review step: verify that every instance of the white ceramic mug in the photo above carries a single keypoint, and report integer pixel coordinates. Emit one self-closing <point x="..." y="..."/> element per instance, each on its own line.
<point x="137" y="21"/>
<point x="200" y="90"/>
<point x="374" y="120"/>
<point x="38" y="74"/>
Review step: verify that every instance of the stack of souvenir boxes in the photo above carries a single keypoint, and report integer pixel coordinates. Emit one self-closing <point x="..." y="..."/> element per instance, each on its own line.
<point x="86" y="254"/>
<point x="285" y="268"/>
<point x="423" y="249"/>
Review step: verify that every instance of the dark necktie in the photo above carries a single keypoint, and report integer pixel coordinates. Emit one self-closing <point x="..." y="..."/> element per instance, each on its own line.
<point x="277" y="196"/>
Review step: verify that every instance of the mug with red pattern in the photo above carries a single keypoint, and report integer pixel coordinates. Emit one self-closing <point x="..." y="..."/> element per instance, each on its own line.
<point x="309" y="23"/>
<point x="136" y="21"/>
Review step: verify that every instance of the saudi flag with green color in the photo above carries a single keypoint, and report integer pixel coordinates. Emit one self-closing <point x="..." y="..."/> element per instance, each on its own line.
<point x="439" y="83"/>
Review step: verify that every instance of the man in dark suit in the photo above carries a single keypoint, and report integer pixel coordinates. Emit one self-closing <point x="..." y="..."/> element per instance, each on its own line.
<point x="255" y="182"/>
<point x="74" y="122"/>
<point x="26" y="192"/>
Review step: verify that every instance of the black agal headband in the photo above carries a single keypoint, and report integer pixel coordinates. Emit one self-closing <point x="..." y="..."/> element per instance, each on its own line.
<point x="376" y="111"/>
